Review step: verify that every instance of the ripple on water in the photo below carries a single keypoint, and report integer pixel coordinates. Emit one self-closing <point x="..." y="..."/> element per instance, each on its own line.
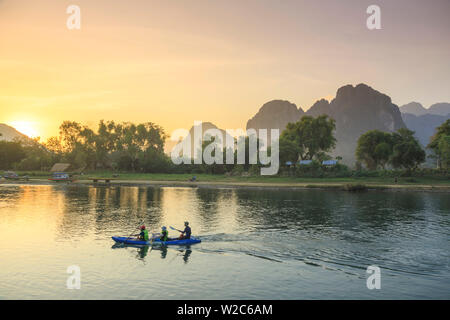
<point x="255" y="243"/>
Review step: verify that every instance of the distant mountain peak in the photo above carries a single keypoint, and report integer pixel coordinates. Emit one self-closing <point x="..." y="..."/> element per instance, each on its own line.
<point x="424" y="125"/>
<point x="414" y="108"/>
<point x="356" y="110"/>
<point x="9" y="133"/>
<point x="359" y="95"/>
<point x="441" y="109"/>
<point x="275" y="114"/>
<point x="280" y="105"/>
<point x="320" y="107"/>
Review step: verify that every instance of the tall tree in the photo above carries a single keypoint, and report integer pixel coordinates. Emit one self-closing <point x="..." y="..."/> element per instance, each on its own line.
<point x="11" y="152"/>
<point x="70" y="135"/>
<point x="438" y="143"/>
<point x="407" y="151"/>
<point x="135" y="139"/>
<point x="312" y="136"/>
<point x="374" y="149"/>
<point x="444" y="151"/>
<point x="289" y="150"/>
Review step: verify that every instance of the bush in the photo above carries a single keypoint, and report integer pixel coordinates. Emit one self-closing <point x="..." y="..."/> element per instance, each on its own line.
<point x="254" y="170"/>
<point x="237" y="170"/>
<point x="317" y="170"/>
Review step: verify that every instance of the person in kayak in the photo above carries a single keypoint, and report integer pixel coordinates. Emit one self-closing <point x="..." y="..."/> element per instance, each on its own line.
<point x="144" y="234"/>
<point x="164" y="234"/>
<point x="186" y="233"/>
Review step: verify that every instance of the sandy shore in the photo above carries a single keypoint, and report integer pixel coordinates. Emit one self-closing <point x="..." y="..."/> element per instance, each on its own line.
<point x="235" y="184"/>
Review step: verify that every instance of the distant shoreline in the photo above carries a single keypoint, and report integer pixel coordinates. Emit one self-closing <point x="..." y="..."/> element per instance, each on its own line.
<point x="326" y="185"/>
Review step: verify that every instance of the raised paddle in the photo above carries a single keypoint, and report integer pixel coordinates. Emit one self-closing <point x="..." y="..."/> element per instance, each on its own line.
<point x="176" y="229"/>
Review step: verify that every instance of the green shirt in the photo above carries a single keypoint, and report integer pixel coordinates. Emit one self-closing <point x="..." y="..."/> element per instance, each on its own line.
<point x="144" y="234"/>
<point x="164" y="235"/>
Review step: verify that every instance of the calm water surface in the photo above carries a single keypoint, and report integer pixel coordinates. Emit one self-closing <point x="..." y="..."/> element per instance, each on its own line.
<point x="257" y="244"/>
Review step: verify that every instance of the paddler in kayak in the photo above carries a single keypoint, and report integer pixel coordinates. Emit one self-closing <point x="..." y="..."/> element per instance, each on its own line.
<point x="144" y="234"/>
<point x="164" y="234"/>
<point x="186" y="233"/>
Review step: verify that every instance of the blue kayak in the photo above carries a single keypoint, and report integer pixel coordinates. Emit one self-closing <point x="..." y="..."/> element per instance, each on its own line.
<point x="170" y="242"/>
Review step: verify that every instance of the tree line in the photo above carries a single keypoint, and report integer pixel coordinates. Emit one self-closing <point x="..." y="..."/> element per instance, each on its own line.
<point x="117" y="146"/>
<point x="313" y="139"/>
<point x="133" y="147"/>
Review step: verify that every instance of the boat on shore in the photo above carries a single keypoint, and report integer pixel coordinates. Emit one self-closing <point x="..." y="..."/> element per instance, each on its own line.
<point x="10" y="175"/>
<point x="61" y="177"/>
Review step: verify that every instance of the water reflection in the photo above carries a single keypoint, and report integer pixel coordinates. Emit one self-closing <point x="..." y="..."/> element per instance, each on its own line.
<point x="108" y="211"/>
<point x="143" y="251"/>
<point x="339" y="232"/>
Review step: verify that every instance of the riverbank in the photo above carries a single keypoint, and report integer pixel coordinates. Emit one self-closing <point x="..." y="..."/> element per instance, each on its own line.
<point x="270" y="182"/>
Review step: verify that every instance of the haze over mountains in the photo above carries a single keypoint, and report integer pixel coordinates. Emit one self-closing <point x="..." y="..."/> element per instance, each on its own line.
<point x="275" y="114"/>
<point x="424" y="120"/>
<point x="417" y="109"/>
<point x="356" y="110"/>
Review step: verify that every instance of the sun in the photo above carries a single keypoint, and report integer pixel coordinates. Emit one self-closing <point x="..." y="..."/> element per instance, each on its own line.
<point x="25" y="127"/>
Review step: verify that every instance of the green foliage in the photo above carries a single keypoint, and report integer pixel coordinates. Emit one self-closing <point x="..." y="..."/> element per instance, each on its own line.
<point x="11" y="152"/>
<point x="37" y="157"/>
<point x="153" y="161"/>
<point x="442" y="130"/>
<point x="288" y="150"/>
<point x="439" y="144"/>
<point x="211" y="145"/>
<point x="119" y="146"/>
<point x="308" y="138"/>
<point x="374" y="148"/>
<point x="407" y="152"/>
<point x="255" y="157"/>
<point x="238" y="170"/>
<point x="316" y="170"/>
<point x="444" y="151"/>
<point x="139" y="148"/>
<point x="255" y="170"/>
<point x="133" y="140"/>
<point x="400" y="149"/>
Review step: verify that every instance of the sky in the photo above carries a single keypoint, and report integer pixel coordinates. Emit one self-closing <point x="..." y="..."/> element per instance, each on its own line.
<point x="174" y="62"/>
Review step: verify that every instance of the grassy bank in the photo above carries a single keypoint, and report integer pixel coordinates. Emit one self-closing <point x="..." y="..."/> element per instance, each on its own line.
<point x="276" y="179"/>
<point x="259" y="181"/>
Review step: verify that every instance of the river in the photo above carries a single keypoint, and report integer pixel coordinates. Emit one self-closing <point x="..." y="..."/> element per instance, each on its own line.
<point x="256" y="243"/>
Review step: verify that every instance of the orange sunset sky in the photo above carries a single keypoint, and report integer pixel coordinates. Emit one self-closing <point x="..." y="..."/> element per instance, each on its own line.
<point x="173" y="62"/>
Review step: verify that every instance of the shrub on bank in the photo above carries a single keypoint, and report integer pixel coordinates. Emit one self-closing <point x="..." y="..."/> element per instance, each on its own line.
<point x="316" y="170"/>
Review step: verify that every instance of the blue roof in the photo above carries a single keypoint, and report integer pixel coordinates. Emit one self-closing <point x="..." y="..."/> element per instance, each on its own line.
<point x="305" y="161"/>
<point x="329" y="162"/>
<point x="289" y="163"/>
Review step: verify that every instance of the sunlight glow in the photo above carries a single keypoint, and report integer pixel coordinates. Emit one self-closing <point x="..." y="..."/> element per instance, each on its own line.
<point x="25" y="127"/>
